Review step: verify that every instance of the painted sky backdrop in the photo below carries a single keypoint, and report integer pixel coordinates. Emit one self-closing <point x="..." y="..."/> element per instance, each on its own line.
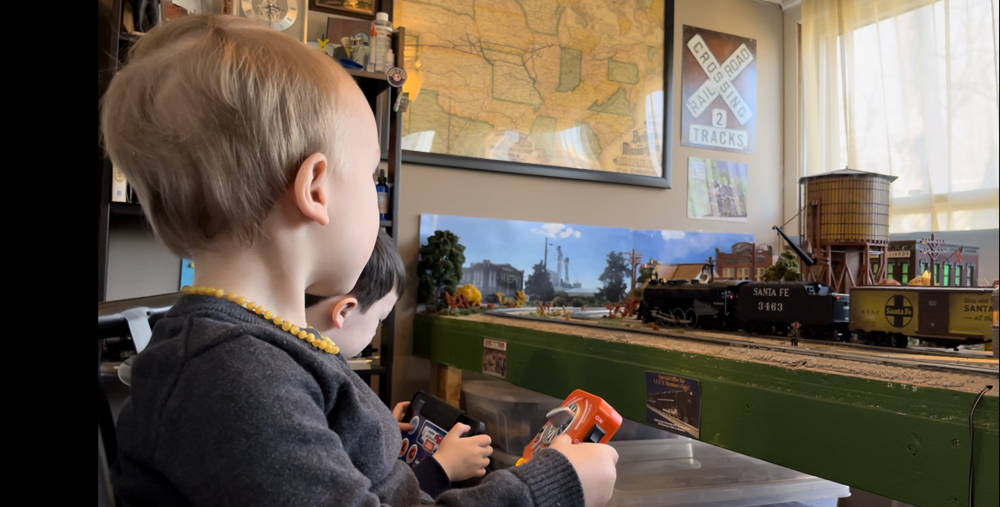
<point x="522" y="244"/>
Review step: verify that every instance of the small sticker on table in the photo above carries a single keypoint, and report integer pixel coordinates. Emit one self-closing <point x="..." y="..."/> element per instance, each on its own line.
<point x="673" y="403"/>
<point x="495" y="358"/>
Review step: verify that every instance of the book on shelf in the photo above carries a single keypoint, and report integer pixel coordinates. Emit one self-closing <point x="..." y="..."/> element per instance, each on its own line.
<point x="119" y="186"/>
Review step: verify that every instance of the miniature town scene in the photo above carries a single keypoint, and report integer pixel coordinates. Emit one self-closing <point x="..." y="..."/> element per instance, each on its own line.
<point x="817" y="285"/>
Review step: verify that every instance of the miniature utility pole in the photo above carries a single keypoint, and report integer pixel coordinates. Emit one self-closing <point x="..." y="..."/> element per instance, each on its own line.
<point x="636" y="261"/>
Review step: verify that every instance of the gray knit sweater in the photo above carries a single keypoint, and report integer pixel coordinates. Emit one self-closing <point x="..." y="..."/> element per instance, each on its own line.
<point x="227" y="409"/>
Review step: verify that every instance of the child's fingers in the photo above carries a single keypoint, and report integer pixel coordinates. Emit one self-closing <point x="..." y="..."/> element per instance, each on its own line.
<point x="400" y="410"/>
<point x="405" y="426"/>
<point x="480" y="440"/>
<point x="459" y="429"/>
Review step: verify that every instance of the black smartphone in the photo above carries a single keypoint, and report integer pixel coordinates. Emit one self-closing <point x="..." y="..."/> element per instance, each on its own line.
<point x="432" y="418"/>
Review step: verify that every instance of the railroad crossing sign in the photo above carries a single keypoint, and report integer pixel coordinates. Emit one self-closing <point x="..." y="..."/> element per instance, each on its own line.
<point x="719" y="98"/>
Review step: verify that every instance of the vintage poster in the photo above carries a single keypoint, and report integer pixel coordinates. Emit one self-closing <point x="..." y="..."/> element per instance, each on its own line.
<point x="717" y="190"/>
<point x="673" y="403"/>
<point x="495" y="358"/>
<point x="719" y="73"/>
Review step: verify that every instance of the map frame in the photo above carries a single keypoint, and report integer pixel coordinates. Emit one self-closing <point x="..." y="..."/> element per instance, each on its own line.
<point x="663" y="181"/>
<point x="332" y="7"/>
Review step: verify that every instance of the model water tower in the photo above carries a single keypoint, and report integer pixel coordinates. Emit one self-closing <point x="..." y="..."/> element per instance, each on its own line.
<point x="847" y="227"/>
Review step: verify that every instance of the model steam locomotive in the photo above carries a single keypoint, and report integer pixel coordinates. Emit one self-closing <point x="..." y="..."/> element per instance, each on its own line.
<point x="768" y="308"/>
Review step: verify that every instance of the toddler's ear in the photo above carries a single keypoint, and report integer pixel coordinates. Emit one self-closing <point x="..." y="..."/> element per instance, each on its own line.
<point x="308" y="188"/>
<point x="342" y="310"/>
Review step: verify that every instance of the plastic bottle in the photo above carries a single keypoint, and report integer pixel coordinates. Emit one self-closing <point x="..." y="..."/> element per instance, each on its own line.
<point x="381" y="41"/>
<point x="382" y="189"/>
<point x="390" y="59"/>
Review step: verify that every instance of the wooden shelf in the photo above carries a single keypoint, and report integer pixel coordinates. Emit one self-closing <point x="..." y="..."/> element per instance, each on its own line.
<point x="370" y="372"/>
<point x="371" y="83"/>
<point x="124" y="209"/>
<point x="364" y="74"/>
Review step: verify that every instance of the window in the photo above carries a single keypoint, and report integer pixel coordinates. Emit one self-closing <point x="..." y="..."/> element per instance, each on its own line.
<point x="908" y="89"/>
<point x="891" y="265"/>
<point x="923" y="269"/>
<point x="760" y="273"/>
<point x="936" y="274"/>
<point x="958" y="276"/>
<point x="744" y="273"/>
<point x="972" y="277"/>
<point x="727" y="273"/>
<point x="906" y="273"/>
<point x="947" y="275"/>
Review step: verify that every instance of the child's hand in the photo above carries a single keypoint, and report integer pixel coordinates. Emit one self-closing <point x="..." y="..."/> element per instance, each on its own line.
<point x="464" y="458"/>
<point x="594" y="465"/>
<point x="398" y="413"/>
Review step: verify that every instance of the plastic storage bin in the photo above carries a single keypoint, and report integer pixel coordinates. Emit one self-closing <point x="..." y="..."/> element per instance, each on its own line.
<point x="512" y="414"/>
<point x="685" y="473"/>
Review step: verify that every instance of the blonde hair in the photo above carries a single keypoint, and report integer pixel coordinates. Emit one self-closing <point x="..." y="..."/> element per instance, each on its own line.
<point x="210" y="120"/>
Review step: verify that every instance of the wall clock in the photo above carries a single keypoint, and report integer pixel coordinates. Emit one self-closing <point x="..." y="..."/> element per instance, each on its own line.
<point x="283" y="15"/>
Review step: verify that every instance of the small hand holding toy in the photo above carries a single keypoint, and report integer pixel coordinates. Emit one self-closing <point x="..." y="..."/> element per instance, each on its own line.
<point x="582" y="417"/>
<point x="399" y="412"/>
<point x="462" y="457"/>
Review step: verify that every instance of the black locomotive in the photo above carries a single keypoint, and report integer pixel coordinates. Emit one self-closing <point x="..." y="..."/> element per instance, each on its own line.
<point x="768" y="308"/>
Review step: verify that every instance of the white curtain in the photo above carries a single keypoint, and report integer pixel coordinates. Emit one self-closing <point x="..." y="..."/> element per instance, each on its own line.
<point x="908" y="88"/>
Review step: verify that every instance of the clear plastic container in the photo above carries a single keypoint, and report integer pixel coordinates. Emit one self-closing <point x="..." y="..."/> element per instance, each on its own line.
<point x="512" y="414"/>
<point x="682" y="472"/>
<point x="381" y="41"/>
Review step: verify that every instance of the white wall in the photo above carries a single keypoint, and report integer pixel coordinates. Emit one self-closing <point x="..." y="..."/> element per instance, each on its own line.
<point x="138" y="265"/>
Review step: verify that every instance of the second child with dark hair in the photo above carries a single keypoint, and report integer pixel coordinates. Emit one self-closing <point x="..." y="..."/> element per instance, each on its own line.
<point x="351" y="321"/>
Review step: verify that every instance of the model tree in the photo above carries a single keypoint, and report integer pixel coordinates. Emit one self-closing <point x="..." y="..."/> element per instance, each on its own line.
<point x="440" y="267"/>
<point x="539" y="284"/>
<point x="614" y="277"/>
<point x="787" y="269"/>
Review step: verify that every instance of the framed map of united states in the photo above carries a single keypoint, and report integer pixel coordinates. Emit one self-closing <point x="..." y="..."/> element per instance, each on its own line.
<point x="560" y="88"/>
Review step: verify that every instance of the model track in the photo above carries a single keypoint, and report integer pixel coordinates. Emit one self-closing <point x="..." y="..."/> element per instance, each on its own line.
<point x="916" y="358"/>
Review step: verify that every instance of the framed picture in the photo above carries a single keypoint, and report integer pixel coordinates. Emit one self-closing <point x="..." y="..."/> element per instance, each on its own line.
<point x="719" y="72"/>
<point x="717" y="190"/>
<point x="558" y="90"/>
<point x="363" y="9"/>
